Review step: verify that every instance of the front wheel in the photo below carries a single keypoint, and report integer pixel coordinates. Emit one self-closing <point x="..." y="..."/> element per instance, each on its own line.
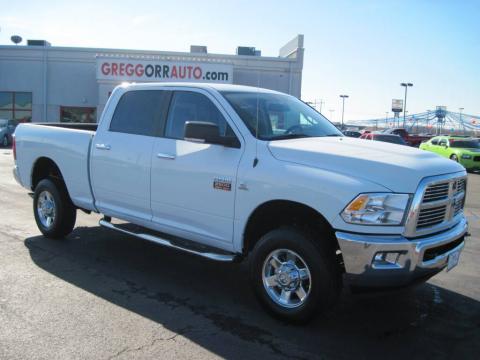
<point x="454" y="158"/>
<point x="55" y="214"/>
<point x="294" y="275"/>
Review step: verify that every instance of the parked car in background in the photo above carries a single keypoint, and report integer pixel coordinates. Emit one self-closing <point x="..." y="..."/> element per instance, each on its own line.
<point x="412" y="140"/>
<point x="394" y="139"/>
<point x="350" y="133"/>
<point x="7" y="128"/>
<point x="465" y="151"/>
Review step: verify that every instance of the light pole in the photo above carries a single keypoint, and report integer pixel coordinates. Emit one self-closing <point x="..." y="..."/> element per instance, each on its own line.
<point x="406" y="85"/>
<point x="386" y="119"/>
<point x="461" y="120"/>
<point x="331" y="114"/>
<point x="343" y="106"/>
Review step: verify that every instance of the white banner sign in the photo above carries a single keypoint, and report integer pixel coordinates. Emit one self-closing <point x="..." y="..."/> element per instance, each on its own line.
<point x="163" y="71"/>
<point x="397" y="105"/>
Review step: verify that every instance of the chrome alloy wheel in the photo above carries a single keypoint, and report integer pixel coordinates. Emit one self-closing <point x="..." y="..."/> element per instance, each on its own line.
<point x="46" y="209"/>
<point x="286" y="278"/>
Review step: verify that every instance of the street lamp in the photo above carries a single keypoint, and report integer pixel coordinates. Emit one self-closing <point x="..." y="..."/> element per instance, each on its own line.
<point x="461" y="120"/>
<point x="331" y="114"/>
<point x="343" y="106"/>
<point x="406" y="85"/>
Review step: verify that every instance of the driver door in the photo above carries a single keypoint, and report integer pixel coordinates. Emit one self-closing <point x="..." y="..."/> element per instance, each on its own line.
<point x="194" y="183"/>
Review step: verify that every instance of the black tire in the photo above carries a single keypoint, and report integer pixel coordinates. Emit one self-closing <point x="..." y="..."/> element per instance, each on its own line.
<point x="325" y="277"/>
<point x="5" y="141"/>
<point x="454" y="158"/>
<point x="64" y="211"/>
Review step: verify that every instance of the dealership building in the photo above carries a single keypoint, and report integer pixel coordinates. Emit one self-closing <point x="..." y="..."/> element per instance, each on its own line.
<point x="40" y="82"/>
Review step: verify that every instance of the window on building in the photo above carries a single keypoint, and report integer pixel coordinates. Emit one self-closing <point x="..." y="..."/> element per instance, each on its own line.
<point x="78" y="114"/>
<point x="16" y="106"/>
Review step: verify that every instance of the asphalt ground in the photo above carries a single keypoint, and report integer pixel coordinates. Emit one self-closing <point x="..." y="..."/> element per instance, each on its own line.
<point x="102" y="295"/>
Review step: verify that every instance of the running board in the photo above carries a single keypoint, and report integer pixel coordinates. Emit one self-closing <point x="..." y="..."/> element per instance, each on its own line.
<point x="168" y="243"/>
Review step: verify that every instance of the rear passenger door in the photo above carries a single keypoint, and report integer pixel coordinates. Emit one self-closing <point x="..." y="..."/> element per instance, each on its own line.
<point x="194" y="184"/>
<point x="122" y="151"/>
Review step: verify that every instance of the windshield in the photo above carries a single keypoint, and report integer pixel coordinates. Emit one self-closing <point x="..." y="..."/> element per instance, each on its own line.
<point x="467" y="144"/>
<point x="279" y="116"/>
<point x="391" y="139"/>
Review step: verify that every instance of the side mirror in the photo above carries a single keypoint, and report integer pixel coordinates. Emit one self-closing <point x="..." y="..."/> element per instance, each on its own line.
<point x="209" y="133"/>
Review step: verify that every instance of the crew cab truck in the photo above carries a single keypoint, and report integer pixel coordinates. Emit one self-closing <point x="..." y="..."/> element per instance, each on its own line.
<point x="230" y="172"/>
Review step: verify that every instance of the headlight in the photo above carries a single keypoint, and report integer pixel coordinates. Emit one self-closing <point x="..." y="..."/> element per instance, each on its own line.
<point x="466" y="156"/>
<point x="376" y="209"/>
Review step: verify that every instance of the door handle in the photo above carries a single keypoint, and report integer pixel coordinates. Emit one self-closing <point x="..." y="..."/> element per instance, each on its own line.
<point x="165" y="156"/>
<point x="103" y="146"/>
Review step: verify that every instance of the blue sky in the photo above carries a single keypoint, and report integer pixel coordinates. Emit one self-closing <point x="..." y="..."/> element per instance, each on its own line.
<point x="361" y="48"/>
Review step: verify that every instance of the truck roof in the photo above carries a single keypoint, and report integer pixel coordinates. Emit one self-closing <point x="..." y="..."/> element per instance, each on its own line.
<point x="218" y="87"/>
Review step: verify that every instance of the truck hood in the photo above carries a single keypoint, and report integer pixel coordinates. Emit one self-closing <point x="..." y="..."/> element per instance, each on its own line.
<point x="396" y="167"/>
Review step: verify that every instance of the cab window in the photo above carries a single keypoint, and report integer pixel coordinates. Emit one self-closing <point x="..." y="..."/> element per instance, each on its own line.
<point x="442" y="142"/>
<point x="191" y="106"/>
<point x="140" y="112"/>
<point x="435" y="141"/>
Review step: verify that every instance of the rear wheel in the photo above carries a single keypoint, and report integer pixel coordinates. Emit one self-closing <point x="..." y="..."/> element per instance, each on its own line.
<point x="454" y="157"/>
<point x="294" y="275"/>
<point x="54" y="212"/>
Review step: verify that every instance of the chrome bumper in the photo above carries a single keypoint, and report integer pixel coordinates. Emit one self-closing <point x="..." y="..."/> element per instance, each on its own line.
<point x="384" y="261"/>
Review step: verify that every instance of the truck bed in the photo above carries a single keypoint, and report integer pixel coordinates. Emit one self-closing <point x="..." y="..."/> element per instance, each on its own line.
<point x="68" y="146"/>
<point x="76" y="126"/>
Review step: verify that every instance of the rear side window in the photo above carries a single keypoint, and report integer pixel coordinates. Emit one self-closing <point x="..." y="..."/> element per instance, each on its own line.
<point x="434" y="141"/>
<point x="140" y="112"/>
<point x="191" y="106"/>
<point x="443" y="142"/>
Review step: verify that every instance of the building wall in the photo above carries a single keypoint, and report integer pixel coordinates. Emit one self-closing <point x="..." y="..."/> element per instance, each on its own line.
<point x="71" y="74"/>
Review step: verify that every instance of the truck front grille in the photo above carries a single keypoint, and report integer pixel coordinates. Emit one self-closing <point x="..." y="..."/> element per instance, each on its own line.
<point x="441" y="202"/>
<point x="431" y="216"/>
<point x="436" y="192"/>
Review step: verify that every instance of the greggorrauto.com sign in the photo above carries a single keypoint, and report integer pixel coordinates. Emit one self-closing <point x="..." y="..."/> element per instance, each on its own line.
<point x="163" y="71"/>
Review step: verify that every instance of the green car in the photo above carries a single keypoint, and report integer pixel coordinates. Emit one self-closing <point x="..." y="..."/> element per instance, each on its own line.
<point x="465" y="151"/>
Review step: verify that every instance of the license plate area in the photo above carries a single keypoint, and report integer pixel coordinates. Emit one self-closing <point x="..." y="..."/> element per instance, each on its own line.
<point x="453" y="260"/>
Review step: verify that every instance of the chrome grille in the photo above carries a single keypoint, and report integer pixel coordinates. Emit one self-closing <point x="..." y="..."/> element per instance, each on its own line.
<point x="460" y="185"/>
<point x="436" y="192"/>
<point x="431" y="216"/>
<point x="439" y="202"/>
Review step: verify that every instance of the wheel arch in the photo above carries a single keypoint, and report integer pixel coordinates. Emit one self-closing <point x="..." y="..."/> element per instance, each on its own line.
<point x="276" y="213"/>
<point x="45" y="168"/>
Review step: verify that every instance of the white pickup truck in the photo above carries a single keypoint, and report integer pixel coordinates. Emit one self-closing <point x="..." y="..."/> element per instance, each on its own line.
<point x="231" y="172"/>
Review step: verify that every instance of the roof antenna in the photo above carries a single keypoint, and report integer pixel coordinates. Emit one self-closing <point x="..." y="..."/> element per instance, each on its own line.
<point x="255" y="160"/>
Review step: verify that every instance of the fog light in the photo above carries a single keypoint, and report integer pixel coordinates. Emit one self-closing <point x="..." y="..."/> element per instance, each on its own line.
<point x="386" y="260"/>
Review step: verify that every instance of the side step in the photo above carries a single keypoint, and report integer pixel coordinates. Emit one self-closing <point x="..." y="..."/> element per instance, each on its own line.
<point x="227" y="257"/>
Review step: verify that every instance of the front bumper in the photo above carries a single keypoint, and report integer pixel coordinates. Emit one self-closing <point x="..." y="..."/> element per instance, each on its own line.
<point x="391" y="261"/>
<point x="470" y="164"/>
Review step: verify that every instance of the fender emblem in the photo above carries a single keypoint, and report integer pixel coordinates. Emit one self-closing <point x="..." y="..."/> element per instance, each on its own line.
<point x="222" y="184"/>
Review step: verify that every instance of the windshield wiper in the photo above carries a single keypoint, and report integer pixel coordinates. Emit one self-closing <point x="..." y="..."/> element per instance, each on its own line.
<point x="289" y="136"/>
<point x="334" y="135"/>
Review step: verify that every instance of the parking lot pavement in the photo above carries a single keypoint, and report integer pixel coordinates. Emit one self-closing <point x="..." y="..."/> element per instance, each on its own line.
<point x="101" y="295"/>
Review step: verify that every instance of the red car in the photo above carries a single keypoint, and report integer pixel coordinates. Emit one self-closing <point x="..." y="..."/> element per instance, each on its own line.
<point x="394" y="139"/>
<point x="412" y="140"/>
